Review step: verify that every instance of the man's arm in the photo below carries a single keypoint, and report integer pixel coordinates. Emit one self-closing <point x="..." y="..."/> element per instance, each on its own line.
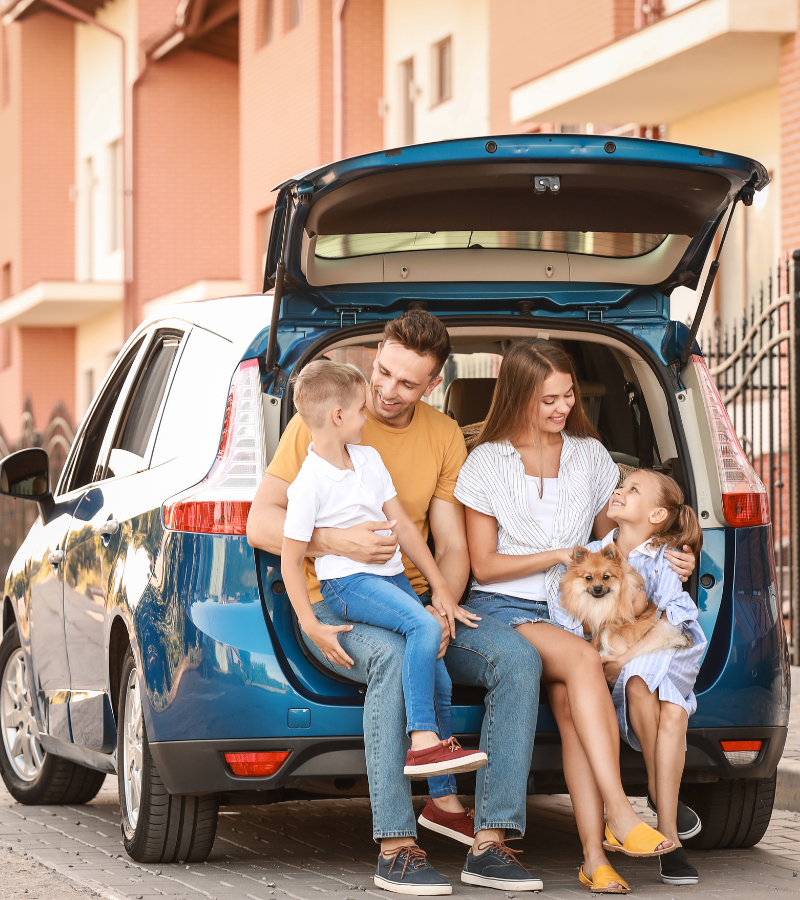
<point x="265" y="529"/>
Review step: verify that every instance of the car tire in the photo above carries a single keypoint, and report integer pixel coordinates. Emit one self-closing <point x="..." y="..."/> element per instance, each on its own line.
<point x="735" y="813"/>
<point x="156" y="826"/>
<point x="31" y="775"/>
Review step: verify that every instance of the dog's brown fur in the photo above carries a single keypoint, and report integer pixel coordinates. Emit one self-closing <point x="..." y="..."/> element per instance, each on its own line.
<point x="601" y="590"/>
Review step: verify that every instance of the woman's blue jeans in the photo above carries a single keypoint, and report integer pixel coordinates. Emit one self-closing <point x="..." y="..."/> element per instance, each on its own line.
<point x="390" y="602"/>
<point x="493" y="656"/>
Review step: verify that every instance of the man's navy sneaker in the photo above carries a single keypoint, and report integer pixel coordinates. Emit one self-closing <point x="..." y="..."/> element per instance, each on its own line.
<point x="675" y="868"/>
<point x="689" y="823"/>
<point x="497" y="868"/>
<point x="407" y="871"/>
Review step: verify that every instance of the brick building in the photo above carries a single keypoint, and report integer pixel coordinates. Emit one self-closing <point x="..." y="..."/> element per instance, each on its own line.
<point x="124" y="189"/>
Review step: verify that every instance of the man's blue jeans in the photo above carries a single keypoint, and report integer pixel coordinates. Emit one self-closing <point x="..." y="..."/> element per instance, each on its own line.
<point x="492" y="656"/>
<point x="390" y="602"/>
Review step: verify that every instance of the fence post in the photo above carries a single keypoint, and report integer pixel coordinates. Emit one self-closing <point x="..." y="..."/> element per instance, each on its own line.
<point x="794" y="466"/>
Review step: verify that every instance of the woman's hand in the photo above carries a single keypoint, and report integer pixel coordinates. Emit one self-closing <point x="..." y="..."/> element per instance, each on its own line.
<point x="682" y="562"/>
<point x="326" y="638"/>
<point x="444" y="604"/>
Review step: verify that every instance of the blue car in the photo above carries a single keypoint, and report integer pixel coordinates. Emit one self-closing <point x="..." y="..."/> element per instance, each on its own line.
<point x="143" y="635"/>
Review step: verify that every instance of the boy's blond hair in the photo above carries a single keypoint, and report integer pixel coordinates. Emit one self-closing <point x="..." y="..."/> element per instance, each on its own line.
<point x="322" y="385"/>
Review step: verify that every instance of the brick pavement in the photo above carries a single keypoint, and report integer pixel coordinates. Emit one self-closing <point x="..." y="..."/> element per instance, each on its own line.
<point x="302" y="850"/>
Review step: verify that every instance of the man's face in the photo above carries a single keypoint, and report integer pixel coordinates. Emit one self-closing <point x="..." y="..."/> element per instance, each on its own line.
<point x="400" y="379"/>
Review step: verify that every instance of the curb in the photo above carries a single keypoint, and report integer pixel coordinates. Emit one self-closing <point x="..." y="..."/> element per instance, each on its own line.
<point x="787" y="790"/>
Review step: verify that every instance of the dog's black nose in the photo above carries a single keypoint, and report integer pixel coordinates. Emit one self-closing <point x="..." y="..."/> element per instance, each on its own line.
<point x="598" y="590"/>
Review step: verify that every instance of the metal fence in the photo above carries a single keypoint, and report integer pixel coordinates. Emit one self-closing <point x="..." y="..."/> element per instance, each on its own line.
<point x="754" y="363"/>
<point x="17" y="516"/>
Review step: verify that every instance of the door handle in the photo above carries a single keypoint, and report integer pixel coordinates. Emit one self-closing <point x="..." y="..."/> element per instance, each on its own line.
<point x="108" y="528"/>
<point x="56" y="557"/>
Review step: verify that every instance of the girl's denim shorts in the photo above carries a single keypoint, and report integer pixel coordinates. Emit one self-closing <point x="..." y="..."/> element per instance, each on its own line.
<point x="511" y="610"/>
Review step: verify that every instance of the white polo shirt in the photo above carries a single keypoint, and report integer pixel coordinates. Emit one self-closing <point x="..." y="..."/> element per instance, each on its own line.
<point x="323" y="496"/>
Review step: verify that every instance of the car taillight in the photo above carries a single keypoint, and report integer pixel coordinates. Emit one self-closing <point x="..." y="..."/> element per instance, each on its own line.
<point x="741" y="753"/>
<point x="221" y="503"/>
<point x="744" y="497"/>
<point x="256" y="765"/>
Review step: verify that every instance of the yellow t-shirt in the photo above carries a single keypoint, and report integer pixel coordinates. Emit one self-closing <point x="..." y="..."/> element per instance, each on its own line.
<point x="424" y="460"/>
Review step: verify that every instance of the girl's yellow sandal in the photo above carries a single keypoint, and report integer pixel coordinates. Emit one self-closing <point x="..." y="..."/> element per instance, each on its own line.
<point x="641" y="841"/>
<point x="602" y="877"/>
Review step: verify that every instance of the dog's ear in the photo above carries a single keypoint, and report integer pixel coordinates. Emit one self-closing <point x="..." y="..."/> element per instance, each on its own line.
<point x="579" y="554"/>
<point x="611" y="552"/>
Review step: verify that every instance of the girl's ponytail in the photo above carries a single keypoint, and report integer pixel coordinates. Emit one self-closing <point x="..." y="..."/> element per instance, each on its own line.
<point x="681" y="527"/>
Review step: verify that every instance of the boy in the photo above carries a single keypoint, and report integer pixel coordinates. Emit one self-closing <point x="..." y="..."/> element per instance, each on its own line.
<point x="340" y="485"/>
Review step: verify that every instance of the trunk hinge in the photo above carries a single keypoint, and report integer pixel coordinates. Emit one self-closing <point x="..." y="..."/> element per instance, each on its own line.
<point x="595" y="313"/>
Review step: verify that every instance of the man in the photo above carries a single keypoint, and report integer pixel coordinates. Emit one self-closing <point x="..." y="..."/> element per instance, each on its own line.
<point x="423" y="451"/>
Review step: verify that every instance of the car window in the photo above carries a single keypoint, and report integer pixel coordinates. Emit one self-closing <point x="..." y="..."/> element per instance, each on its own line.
<point x="136" y="422"/>
<point x="193" y="414"/>
<point x="82" y="468"/>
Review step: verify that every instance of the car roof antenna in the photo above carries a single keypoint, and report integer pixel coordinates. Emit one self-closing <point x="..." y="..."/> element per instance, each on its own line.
<point x="271" y="365"/>
<point x="712" y="274"/>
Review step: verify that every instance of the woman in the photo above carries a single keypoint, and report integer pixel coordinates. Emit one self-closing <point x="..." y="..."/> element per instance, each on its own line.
<point x="533" y="488"/>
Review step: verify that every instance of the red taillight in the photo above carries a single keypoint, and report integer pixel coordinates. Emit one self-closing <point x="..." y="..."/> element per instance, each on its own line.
<point x="256" y="765"/>
<point x="221" y="503"/>
<point x="741" y="753"/>
<point x="744" y="497"/>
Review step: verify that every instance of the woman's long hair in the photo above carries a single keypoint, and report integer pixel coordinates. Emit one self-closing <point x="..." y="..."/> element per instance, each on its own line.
<point x="518" y="393"/>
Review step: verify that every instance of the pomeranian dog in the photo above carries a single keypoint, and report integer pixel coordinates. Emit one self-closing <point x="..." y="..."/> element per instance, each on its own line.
<point x="603" y="592"/>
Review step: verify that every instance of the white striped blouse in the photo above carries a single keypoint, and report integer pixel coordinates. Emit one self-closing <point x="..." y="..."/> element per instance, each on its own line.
<point x="492" y="482"/>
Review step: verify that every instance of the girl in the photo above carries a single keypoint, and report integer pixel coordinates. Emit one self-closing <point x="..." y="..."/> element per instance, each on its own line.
<point x="653" y="694"/>
<point x="538" y="483"/>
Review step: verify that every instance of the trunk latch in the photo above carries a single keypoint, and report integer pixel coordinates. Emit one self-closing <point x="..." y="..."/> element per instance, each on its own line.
<point x="348" y="317"/>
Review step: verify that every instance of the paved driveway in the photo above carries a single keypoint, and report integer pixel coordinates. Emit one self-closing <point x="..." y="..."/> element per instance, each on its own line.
<point x="320" y="850"/>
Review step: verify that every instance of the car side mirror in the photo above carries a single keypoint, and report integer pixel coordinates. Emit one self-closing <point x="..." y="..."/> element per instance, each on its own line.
<point x="25" y="475"/>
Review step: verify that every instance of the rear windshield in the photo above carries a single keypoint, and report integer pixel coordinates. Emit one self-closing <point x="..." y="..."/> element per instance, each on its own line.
<point x="591" y="243"/>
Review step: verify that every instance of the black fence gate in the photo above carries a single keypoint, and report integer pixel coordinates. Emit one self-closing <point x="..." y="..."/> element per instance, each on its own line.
<point x="754" y="363"/>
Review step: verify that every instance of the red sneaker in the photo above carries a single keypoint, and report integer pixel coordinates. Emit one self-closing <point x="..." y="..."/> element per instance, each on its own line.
<point x="446" y="758"/>
<point x="458" y="826"/>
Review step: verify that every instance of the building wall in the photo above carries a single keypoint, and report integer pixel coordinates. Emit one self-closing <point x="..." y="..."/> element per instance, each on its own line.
<point x="286" y="111"/>
<point x="186" y="177"/>
<point x="412" y="28"/>
<point x="530" y="37"/>
<point x="790" y="141"/>
<point x="362" y="55"/>
<point x="97" y="343"/>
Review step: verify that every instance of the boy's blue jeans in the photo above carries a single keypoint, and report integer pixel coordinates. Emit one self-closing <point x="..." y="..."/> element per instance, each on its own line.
<point x="493" y="656"/>
<point x="390" y="602"/>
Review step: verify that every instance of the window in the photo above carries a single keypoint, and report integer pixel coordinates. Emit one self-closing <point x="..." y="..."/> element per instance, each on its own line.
<point x="265" y="25"/>
<point x="5" y="282"/>
<point x="618" y="245"/>
<point x="5" y="333"/>
<point x="115" y="195"/>
<point x="408" y="95"/>
<point x="81" y="468"/>
<point x="442" y="72"/>
<point x="88" y="388"/>
<point x="295" y="10"/>
<point x="88" y="218"/>
<point x="137" y="420"/>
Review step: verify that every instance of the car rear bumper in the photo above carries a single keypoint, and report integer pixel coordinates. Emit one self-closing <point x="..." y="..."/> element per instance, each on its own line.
<point x="199" y="767"/>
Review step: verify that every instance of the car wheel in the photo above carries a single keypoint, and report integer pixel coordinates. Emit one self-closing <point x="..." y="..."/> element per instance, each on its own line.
<point x="30" y="774"/>
<point x="156" y="826"/>
<point x="735" y="813"/>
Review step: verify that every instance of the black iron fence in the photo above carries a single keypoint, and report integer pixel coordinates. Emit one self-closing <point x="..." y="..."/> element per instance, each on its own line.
<point x="17" y="516"/>
<point x="754" y="363"/>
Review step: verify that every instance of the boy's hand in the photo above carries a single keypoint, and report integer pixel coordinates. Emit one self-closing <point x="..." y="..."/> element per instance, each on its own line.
<point x="443" y="602"/>
<point x="325" y="637"/>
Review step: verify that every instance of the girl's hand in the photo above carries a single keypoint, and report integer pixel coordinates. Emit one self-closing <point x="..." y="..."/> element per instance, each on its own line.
<point x="682" y="562"/>
<point x="444" y="604"/>
<point x="325" y="637"/>
<point x="612" y="666"/>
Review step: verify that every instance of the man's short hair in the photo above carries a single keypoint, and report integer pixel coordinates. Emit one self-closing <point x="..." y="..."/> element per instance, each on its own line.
<point x="321" y="386"/>
<point x="421" y="332"/>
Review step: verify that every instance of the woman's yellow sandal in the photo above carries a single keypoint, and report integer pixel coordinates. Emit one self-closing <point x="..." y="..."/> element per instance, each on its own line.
<point x="641" y="841"/>
<point x="602" y="877"/>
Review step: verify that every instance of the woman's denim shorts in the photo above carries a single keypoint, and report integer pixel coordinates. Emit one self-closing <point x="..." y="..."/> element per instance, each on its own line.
<point x="511" y="610"/>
